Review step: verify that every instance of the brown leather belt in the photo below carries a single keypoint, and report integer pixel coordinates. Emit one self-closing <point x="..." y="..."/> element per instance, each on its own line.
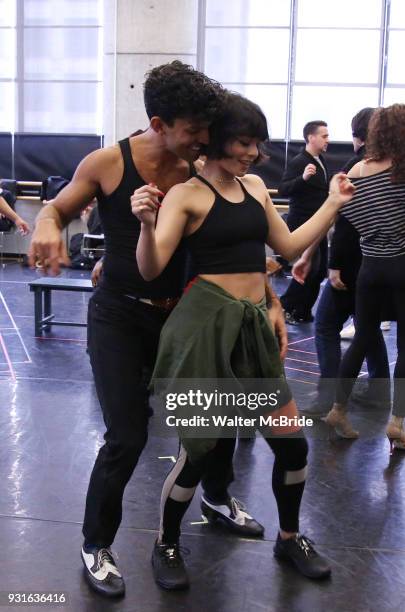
<point x="163" y="303"/>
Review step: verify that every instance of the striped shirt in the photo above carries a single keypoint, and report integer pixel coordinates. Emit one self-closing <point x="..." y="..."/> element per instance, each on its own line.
<point x="377" y="211"/>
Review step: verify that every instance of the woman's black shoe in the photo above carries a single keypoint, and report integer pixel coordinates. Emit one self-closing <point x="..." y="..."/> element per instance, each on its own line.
<point x="299" y="550"/>
<point x="168" y="567"/>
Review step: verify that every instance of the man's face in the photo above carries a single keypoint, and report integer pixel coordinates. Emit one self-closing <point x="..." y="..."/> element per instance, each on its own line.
<point x="186" y="137"/>
<point x="320" y="140"/>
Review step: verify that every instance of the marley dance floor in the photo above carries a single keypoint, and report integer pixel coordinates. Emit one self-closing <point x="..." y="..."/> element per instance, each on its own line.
<point x="51" y="429"/>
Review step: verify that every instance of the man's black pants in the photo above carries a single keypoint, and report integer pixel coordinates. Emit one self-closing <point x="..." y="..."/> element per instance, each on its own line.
<point x="123" y="336"/>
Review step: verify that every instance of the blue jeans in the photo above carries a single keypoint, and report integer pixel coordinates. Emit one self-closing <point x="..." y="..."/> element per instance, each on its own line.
<point x="334" y="308"/>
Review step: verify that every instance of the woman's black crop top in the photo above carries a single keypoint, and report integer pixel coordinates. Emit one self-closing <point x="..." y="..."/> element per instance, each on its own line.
<point x="231" y="238"/>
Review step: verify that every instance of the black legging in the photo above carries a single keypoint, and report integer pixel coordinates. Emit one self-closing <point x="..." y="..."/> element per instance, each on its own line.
<point x="288" y="482"/>
<point x="381" y="282"/>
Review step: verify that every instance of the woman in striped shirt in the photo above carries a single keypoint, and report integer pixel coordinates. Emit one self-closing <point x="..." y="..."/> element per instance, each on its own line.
<point x="377" y="211"/>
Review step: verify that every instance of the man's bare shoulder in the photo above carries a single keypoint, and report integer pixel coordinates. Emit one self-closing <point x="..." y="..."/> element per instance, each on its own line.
<point x="98" y="162"/>
<point x="105" y="156"/>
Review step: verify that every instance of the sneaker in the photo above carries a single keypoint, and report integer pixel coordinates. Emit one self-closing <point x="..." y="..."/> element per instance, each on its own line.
<point x="385" y="325"/>
<point x="291" y="319"/>
<point x="299" y="550"/>
<point x="168" y="567"/>
<point x="348" y="332"/>
<point x="102" y="573"/>
<point x="233" y="514"/>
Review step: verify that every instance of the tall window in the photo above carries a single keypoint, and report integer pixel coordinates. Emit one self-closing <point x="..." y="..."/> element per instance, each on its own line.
<point x="395" y="78"/>
<point x="7" y="64"/>
<point x="242" y="38"/>
<point x="308" y="59"/>
<point x="51" y="56"/>
<point x="337" y="58"/>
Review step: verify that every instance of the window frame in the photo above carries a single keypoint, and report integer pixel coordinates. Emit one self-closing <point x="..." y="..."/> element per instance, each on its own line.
<point x="381" y="77"/>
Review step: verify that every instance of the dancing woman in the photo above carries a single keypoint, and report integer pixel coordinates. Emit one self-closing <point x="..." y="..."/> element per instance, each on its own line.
<point x="220" y="328"/>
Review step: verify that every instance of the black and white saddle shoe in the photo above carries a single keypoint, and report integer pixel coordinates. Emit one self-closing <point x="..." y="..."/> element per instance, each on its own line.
<point x="102" y="573"/>
<point x="233" y="514"/>
<point x="300" y="551"/>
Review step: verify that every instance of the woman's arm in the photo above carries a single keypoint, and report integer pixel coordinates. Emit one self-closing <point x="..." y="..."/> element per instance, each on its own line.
<point x="291" y="244"/>
<point x="8" y="212"/>
<point x="157" y="244"/>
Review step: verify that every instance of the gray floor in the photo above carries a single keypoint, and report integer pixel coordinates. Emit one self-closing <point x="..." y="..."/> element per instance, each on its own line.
<point x="51" y="429"/>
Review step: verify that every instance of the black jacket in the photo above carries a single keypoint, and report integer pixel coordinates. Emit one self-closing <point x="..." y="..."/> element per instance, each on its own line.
<point x="305" y="196"/>
<point x="345" y="253"/>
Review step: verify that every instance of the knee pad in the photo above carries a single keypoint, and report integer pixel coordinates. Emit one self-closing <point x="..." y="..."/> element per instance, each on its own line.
<point x="291" y="455"/>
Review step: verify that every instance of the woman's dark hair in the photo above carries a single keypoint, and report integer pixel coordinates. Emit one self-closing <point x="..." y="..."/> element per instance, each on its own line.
<point x="386" y="139"/>
<point x="177" y="91"/>
<point x="240" y="117"/>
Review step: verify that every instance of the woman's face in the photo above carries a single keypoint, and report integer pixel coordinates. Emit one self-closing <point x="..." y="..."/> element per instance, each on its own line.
<point x="241" y="152"/>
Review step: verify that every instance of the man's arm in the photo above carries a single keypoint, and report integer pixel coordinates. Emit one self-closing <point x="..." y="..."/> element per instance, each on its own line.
<point x="302" y="266"/>
<point x="292" y="180"/>
<point x="345" y="241"/>
<point x="47" y="244"/>
<point x="296" y="177"/>
<point x="7" y="211"/>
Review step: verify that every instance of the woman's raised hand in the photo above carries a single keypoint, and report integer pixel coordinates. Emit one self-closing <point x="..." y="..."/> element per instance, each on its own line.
<point x="342" y="188"/>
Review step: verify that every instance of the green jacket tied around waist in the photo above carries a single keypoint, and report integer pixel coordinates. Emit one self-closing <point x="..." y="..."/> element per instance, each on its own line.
<point x="212" y="335"/>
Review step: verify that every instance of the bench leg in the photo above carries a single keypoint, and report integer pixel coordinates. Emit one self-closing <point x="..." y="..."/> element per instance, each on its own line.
<point x="47" y="306"/>
<point x="38" y="312"/>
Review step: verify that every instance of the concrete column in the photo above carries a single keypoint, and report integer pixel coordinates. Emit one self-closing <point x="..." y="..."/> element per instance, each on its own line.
<point x="138" y="35"/>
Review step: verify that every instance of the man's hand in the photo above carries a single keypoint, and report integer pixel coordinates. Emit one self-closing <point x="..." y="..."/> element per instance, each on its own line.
<point x="47" y="248"/>
<point x="301" y="269"/>
<point x="145" y="203"/>
<point x="309" y="170"/>
<point x="97" y="272"/>
<point x="336" y="281"/>
<point x="277" y="320"/>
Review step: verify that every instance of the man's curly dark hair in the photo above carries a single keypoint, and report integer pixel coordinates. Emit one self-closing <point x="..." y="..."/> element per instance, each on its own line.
<point x="178" y="91"/>
<point x="386" y="139"/>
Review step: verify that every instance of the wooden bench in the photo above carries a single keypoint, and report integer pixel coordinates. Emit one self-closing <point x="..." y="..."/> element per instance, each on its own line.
<point x="42" y="288"/>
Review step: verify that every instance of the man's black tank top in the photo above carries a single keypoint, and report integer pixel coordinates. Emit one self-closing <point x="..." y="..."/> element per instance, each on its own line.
<point x="231" y="238"/>
<point x="121" y="232"/>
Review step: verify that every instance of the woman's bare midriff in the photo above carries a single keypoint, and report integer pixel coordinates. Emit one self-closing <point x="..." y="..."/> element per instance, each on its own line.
<point x="250" y="285"/>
